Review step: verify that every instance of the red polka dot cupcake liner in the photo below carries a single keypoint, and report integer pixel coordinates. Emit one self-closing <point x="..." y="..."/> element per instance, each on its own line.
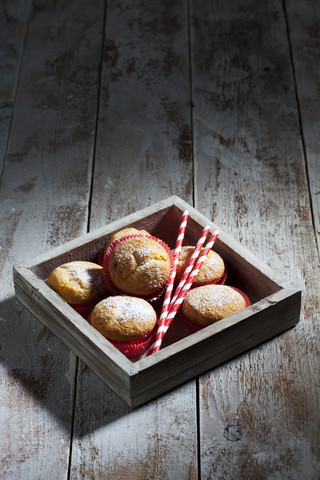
<point x="85" y="309"/>
<point x="134" y="348"/>
<point x="117" y="291"/>
<point x="246" y="298"/>
<point x="192" y="327"/>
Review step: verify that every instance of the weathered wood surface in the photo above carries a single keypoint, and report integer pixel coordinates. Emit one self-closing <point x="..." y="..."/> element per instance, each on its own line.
<point x="44" y="201"/>
<point x="258" y="413"/>
<point x="143" y="154"/>
<point x="102" y="126"/>
<point x="304" y="33"/>
<point x="13" y="21"/>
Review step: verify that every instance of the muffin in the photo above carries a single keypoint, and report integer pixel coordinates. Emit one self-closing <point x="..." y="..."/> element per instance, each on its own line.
<point x="128" y="322"/>
<point x="124" y="233"/>
<point x="79" y="283"/>
<point x="212" y="270"/>
<point x="208" y="304"/>
<point x="138" y="265"/>
<point x="121" y="233"/>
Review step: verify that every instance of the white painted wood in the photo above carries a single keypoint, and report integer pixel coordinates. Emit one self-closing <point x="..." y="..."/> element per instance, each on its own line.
<point x="303" y="26"/>
<point x="13" y="24"/>
<point x="256" y="412"/>
<point x="143" y="154"/>
<point x="43" y="202"/>
<point x="144" y="144"/>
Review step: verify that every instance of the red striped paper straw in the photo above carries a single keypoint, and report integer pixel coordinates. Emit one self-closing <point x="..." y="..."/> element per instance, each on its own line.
<point x="191" y="262"/>
<point x="162" y="328"/>
<point x="175" y="307"/>
<point x="177" y="251"/>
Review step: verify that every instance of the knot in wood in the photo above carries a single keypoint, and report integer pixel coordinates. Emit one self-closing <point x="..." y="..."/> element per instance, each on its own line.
<point x="233" y="432"/>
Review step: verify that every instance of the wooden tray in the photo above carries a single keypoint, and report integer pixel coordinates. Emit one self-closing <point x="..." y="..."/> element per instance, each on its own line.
<point x="183" y="355"/>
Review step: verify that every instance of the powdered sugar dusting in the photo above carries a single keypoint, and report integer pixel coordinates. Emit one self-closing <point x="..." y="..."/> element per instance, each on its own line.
<point x="139" y="265"/>
<point x="209" y="299"/>
<point x="211" y="270"/>
<point x="213" y="260"/>
<point x="84" y="274"/>
<point x="127" y="309"/>
<point x="212" y="302"/>
<point x="123" y="317"/>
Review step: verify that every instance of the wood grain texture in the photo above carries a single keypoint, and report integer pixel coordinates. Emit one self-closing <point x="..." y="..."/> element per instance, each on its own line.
<point x="273" y="309"/>
<point x="143" y="151"/>
<point x="143" y="154"/>
<point x="13" y="25"/>
<point x="248" y="105"/>
<point x="258" y="413"/>
<point x="43" y="197"/>
<point x="304" y="33"/>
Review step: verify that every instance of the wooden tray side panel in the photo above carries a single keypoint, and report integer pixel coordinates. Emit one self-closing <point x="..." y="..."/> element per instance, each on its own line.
<point x="203" y="355"/>
<point x="100" y="355"/>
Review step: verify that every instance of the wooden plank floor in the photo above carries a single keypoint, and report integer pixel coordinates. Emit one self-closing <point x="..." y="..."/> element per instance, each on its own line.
<point x="108" y="107"/>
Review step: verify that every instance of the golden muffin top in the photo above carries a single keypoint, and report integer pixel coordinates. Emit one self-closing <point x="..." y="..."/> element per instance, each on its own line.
<point x="208" y="304"/>
<point x="211" y="271"/>
<point x="139" y="266"/>
<point x="78" y="282"/>
<point x="123" y="317"/>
